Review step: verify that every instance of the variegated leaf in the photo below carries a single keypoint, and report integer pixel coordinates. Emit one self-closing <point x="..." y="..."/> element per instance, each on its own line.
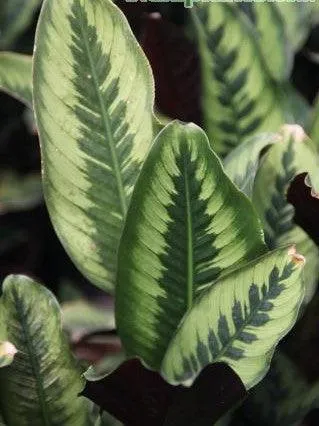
<point x="293" y="155"/>
<point x="242" y="163"/>
<point x="239" y="320"/>
<point x="238" y="97"/>
<point x="93" y="97"/>
<point x="187" y="224"/>
<point x="42" y="384"/>
<point x="16" y="76"/>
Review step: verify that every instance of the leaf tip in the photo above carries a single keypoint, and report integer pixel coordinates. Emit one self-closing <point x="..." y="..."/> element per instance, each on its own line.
<point x="8" y="349"/>
<point x="296" y="258"/>
<point x="294" y="131"/>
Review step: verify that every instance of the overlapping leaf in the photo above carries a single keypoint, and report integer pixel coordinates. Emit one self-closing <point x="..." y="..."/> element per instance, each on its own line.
<point x="15" y="16"/>
<point x="187" y="223"/>
<point x="281" y="164"/>
<point x="93" y="97"/>
<point x="238" y="96"/>
<point x="283" y="398"/>
<point x="15" y="76"/>
<point x="7" y="353"/>
<point x="239" y="320"/>
<point x="242" y="163"/>
<point x="41" y="386"/>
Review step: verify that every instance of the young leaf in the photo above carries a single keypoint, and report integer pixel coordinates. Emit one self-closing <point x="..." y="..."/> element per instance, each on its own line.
<point x="242" y="163"/>
<point x="16" y="76"/>
<point x="273" y="41"/>
<point x="293" y="155"/>
<point x="239" y="320"/>
<point x="239" y="98"/>
<point x="93" y="97"/>
<point x="187" y="223"/>
<point x="41" y="385"/>
<point x="7" y="353"/>
<point x="15" y="16"/>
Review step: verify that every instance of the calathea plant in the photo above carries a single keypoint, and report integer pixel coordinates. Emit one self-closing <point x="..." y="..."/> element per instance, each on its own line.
<point x="200" y="255"/>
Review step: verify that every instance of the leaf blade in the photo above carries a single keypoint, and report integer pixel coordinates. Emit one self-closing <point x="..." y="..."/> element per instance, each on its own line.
<point x="95" y="127"/>
<point x="187" y="223"/>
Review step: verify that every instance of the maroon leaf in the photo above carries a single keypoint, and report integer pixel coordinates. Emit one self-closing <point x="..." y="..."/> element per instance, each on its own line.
<point x="306" y="204"/>
<point x="140" y="397"/>
<point x="175" y="66"/>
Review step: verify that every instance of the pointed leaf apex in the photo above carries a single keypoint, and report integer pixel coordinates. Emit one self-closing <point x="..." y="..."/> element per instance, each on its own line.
<point x="7" y="349"/>
<point x="293" y="131"/>
<point x="296" y="258"/>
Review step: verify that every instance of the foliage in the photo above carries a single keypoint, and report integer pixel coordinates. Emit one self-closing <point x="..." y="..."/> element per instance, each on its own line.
<point x="206" y="238"/>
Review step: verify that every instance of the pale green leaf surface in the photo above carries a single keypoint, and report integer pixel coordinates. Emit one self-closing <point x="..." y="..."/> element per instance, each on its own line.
<point x="284" y="160"/>
<point x="297" y="17"/>
<point x="16" y="76"/>
<point x="41" y="385"/>
<point x="241" y="163"/>
<point x="93" y="98"/>
<point x="15" y="17"/>
<point x="238" y="97"/>
<point x="187" y="223"/>
<point x="296" y="108"/>
<point x="277" y="53"/>
<point x="314" y="125"/>
<point x="239" y="320"/>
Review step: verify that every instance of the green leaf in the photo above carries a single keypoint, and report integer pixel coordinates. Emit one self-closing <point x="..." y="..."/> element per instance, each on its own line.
<point x="15" y="76"/>
<point x="297" y="110"/>
<point x="19" y="192"/>
<point x="283" y="398"/>
<point x="15" y="17"/>
<point x="239" y="320"/>
<point x="41" y="386"/>
<point x="242" y="163"/>
<point x="93" y="97"/>
<point x="7" y="353"/>
<point x="238" y="97"/>
<point x="284" y="160"/>
<point x="277" y="52"/>
<point x="314" y="126"/>
<point x="187" y="223"/>
<point x="297" y="18"/>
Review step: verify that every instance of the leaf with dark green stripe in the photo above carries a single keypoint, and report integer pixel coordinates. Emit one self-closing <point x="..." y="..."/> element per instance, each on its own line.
<point x="93" y="96"/>
<point x="238" y="98"/>
<point x="15" y="17"/>
<point x="16" y="76"/>
<point x="283" y="398"/>
<point x="284" y="160"/>
<point x="41" y="385"/>
<point x="239" y="320"/>
<point x="273" y="41"/>
<point x="242" y="163"/>
<point x="187" y="223"/>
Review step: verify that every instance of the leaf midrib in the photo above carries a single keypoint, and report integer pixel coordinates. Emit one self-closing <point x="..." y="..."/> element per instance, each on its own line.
<point x="189" y="230"/>
<point x="106" y="123"/>
<point x="33" y="361"/>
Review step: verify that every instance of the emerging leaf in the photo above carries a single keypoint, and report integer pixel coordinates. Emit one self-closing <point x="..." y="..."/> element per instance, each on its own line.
<point x="93" y="97"/>
<point x="239" y="320"/>
<point x="16" y="76"/>
<point x="284" y="160"/>
<point x="41" y="385"/>
<point x="187" y="223"/>
<point x="239" y="98"/>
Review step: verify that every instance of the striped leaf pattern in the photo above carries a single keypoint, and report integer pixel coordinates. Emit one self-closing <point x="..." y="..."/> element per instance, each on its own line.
<point x="187" y="223"/>
<point x="242" y="163"/>
<point x="239" y="320"/>
<point x="286" y="159"/>
<point x="16" y="76"/>
<point x="239" y="99"/>
<point x="93" y="98"/>
<point x="41" y="385"/>
<point x="283" y="398"/>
